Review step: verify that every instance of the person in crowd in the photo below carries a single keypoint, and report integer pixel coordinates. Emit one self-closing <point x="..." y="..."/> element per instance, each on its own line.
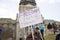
<point x="50" y="29"/>
<point x="41" y="28"/>
<point x="36" y="35"/>
<point x="59" y="27"/>
<point x="57" y="37"/>
<point x="49" y="26"/>
<point x="54" y="26"/>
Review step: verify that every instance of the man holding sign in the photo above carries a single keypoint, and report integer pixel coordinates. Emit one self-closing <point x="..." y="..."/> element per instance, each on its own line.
<point x="36" y="34"/>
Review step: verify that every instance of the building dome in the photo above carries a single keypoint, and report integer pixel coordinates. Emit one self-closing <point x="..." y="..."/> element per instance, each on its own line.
<point x="25" y="2"/>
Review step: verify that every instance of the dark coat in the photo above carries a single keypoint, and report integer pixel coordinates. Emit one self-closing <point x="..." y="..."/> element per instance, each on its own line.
<point x="58" y="37"/>
<point x="49" y="26"/>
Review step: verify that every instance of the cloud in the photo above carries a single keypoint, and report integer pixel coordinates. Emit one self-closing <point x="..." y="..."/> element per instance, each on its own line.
<point x="42" y="1"/>
<point x="16" y="1"/>
<point x="51" y="1"/>
<point x="5" y="13"/>
<point x="47" y="1"/>
<point x="57" y="1"/>
<point x="9" y="8"/>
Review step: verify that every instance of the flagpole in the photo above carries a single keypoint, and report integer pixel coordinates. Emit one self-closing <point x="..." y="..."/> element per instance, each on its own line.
<point x="32" y="32"/>
<point x="24" y="34"/>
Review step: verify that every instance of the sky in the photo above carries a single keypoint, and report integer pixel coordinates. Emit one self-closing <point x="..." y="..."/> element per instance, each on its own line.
<point x="50" y="9"/>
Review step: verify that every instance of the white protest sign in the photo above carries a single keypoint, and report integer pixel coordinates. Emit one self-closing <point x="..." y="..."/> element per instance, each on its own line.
<point x="30" y="17"/>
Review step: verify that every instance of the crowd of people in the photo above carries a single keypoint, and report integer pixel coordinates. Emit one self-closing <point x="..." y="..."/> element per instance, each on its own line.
<point x="37" y="35"/>
<point x="39" y="32"/>
<point x="52" y="27"/>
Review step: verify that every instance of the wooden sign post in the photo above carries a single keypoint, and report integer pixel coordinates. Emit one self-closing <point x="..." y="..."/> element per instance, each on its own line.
<point x="32" y="32"/>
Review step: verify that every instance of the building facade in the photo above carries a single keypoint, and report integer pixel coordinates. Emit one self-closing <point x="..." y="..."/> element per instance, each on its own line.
<point x="8" y="27"/>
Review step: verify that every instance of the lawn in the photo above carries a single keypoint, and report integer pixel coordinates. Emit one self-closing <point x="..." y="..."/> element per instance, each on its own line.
<point x="50" y="37"/>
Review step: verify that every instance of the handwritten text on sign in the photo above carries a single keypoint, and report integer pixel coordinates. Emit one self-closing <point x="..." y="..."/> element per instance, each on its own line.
<point x="30" y="17"/>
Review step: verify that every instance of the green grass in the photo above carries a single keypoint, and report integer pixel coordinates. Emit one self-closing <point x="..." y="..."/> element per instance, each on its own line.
<point x="50" y="37"/>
